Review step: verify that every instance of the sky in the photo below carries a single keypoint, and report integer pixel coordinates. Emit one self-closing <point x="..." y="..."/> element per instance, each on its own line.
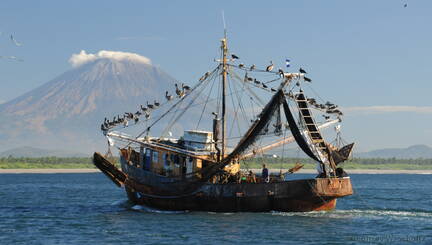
<point x="372" y="58"/>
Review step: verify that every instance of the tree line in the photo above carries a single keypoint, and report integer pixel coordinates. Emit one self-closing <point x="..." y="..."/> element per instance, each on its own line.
<point x="257" y="160"/>
<point x="365" y="161"/>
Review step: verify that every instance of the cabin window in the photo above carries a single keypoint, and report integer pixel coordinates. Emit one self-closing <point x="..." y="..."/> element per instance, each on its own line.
<point x="165" y="159"/>
<point x="142" y="157"/>
<point x="183" y="166"/>
<point x="174" y="159"/>
<point x="155" y="157"/>
<point x="189" y="165"/>
<point x="147" y="159"/>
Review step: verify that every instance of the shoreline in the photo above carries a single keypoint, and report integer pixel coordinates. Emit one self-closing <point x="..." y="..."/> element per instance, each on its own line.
<point x="302" y="171"/>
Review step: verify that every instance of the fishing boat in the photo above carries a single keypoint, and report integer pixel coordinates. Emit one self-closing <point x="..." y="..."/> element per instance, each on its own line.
<point x="237" y="112"/>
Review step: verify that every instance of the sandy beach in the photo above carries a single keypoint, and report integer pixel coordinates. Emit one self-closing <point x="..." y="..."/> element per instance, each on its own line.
<point x="302" y="171"/>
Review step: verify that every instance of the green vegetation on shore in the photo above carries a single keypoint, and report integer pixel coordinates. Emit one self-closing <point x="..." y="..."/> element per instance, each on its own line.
<point x="356" y="163"/>
<point x="45" y="162"/>
<point x="275" y="163"/>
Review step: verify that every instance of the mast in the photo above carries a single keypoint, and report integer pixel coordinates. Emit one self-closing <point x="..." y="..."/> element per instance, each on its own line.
<point x="224" y="88"/>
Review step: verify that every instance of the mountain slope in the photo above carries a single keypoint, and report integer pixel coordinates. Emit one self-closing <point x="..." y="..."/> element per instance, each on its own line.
<point x="412" y="152"/>
<point x="27" y="151"/>
<point x="66" y="112"/>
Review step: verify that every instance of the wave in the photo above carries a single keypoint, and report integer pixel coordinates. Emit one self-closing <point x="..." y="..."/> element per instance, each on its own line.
<point x="146" y="209"/>
<point x="121" y="203"/>
<point x="355" y="213"/>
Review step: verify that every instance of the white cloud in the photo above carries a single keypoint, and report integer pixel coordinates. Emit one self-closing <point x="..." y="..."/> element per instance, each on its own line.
<point x="84" y="57"/>
<point x="387" y="109"/>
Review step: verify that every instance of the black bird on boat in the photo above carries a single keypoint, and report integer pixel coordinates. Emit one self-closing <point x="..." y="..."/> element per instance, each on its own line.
<point x="307" y="79"/>
<point x="178" y="91"/>
<point x="270" y="67"/>
<point x="185" y="87"/>
<point x="167" y="96"/>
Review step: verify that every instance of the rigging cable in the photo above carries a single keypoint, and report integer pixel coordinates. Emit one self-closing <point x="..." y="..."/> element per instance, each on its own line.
<point x="172" y="107"/>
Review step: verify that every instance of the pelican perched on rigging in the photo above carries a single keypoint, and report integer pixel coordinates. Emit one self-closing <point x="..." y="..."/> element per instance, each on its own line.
<point x="179" y="92"/>
<point x="185" y="87"/>
<point x="204" y="76"/>
<point x="150" y="106"/>
<point x="156" y="103"/>
<point x="281" y="72"/>
<point x="167" y="96"/>
<point x="270" y="67"/>
<point x="302" y="71"/>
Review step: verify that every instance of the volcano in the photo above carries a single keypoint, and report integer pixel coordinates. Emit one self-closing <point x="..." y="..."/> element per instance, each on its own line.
<point x="66" y="112"/>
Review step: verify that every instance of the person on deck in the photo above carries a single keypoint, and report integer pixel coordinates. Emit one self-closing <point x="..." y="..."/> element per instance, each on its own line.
<point x="265" y="174"/>
<point x="251" y="177"/>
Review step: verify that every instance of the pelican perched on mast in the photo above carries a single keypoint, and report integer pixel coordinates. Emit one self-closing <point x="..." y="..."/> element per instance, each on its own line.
<point x="270" y="67"/>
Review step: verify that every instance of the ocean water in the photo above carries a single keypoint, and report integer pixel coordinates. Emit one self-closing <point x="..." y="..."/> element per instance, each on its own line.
<point x="89" y="209"/>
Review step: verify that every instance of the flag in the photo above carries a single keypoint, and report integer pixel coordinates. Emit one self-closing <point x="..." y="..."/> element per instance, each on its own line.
<point x="287" y="63"/>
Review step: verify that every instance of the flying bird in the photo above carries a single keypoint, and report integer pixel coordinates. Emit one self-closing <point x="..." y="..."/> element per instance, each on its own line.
<point x="270" y="67"/>
<point x="405" y="5"/>
<point x="235" y="57"/>
<point x="15" y="41"/>
<point x="11" y="58"/>
<point x="302" y="71"/>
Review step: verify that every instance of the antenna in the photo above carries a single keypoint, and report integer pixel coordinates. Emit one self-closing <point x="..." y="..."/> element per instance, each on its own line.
<point x="224" y="24"/>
